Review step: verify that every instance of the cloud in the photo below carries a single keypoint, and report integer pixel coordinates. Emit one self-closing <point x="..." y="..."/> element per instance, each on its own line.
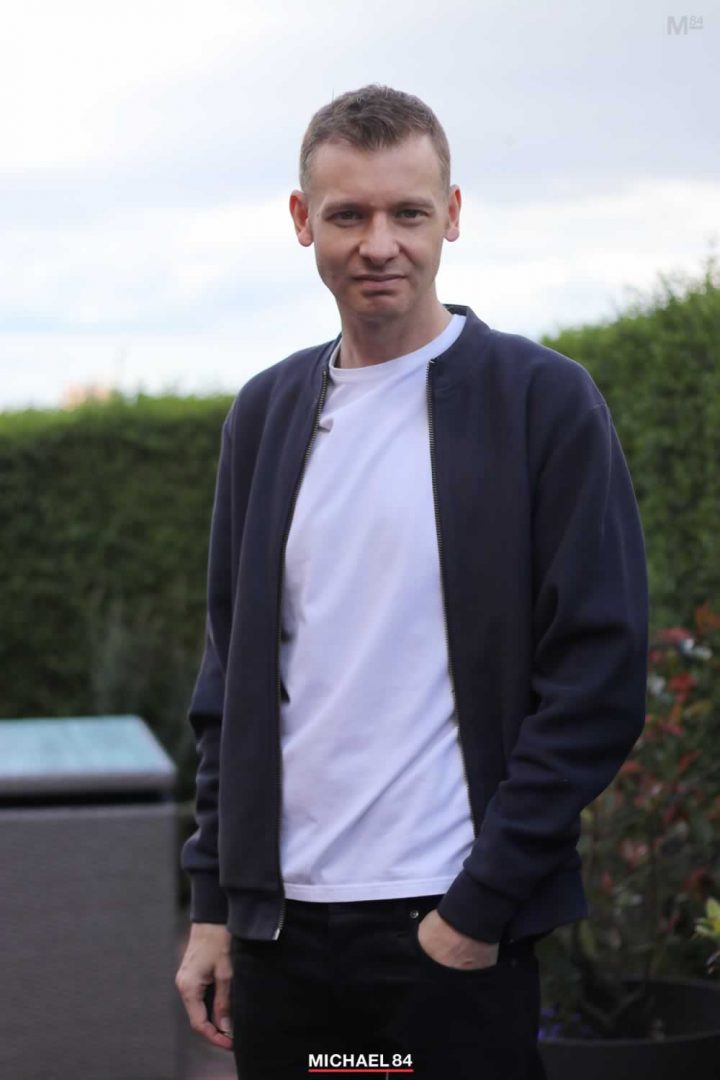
<point x="150" y="145"/>
<point x="73" y="68"/>
<point x="199" y="268"/>
<point x="200" y="299"/>
<point x="156" y="267"/>
<point x="545" y="264"/>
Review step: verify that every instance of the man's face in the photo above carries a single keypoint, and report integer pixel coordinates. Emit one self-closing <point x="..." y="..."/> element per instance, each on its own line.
<point x="378" y="220"/>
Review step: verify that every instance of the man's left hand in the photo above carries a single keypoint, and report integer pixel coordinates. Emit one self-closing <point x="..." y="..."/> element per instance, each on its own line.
<point x="446" y="945"/>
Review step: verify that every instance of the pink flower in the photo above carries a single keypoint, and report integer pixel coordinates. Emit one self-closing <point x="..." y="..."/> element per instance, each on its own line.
<point x="674" y="634"/>
<point x="633" y="852"/>
<point x="682" y="683"/>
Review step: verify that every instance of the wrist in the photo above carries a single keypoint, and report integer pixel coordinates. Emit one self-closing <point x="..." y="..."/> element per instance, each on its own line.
<point x="209" y="930"/>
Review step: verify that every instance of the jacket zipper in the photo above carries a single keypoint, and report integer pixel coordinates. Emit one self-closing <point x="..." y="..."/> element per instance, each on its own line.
<point x="308" y="448"/>
<point x="451" y="666"/>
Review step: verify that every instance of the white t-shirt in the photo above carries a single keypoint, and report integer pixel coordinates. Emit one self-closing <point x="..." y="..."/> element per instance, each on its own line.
<point x="375" y="801"/>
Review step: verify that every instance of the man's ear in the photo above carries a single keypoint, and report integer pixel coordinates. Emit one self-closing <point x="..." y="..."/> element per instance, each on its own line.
<point x="454" y="203"/>
<point x="301" y="217"/>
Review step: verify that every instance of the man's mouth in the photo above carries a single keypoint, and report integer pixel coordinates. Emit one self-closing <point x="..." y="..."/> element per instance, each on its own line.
<point x="378" y="277"/>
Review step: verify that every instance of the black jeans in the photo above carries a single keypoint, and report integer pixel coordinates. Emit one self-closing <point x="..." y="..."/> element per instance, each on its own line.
<point x="352" y="979"/>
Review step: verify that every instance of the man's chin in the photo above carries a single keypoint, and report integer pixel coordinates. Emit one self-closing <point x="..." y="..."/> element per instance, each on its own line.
<point x="381" y="305"/>
<point x="379" y="313"/>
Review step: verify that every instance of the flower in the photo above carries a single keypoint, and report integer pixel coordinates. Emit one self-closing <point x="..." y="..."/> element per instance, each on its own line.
<point x="656" y="684"/>
<point x="682" y="683"/>
<point x="674" y="635"/>
<point x="650" y="846"/>
<point x="709" y="924"/>
<point x="634" y="852"/>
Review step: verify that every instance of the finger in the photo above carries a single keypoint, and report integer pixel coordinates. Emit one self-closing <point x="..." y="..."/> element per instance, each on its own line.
<point x="221" y="1011"/>
<point x="211" y="1033"/>
<point x="197" y="1014"/>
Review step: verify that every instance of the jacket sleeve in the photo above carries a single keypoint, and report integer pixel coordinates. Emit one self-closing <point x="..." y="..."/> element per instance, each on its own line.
<point x="589" y="670"/>
<point x="199" y="857"/>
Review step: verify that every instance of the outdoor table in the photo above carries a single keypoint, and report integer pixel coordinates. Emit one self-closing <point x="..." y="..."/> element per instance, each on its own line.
<point x="87" y="901"/>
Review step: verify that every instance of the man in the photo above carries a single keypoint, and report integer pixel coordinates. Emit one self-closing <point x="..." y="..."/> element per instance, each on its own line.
<point x="425" y="654"/>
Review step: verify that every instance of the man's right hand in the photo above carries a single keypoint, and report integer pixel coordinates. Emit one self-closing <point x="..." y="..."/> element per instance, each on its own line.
<point x="207" y="962"/>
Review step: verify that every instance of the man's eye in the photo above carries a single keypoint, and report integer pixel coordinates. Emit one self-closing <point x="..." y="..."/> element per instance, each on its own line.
<point x="411" y="213"/>
<point x="346" y="215"/>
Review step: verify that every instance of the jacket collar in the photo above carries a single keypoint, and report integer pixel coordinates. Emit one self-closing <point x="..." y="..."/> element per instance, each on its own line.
<point x="466" y="343"/>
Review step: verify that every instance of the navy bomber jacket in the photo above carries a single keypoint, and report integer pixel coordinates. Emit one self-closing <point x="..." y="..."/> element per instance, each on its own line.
<point x="544" y="580"/>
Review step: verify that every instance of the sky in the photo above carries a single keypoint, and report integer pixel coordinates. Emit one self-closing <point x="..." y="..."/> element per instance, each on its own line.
<point x="148" y="149"/>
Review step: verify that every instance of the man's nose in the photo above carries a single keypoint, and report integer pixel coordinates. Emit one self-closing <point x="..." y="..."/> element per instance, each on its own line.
<point x="379" y="243"/>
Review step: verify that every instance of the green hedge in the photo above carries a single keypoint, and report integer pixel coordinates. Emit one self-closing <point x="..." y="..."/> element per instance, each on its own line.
<point x="658" y="365"/>
<point x="106" y="510"/>
<point x="103" y="559"/>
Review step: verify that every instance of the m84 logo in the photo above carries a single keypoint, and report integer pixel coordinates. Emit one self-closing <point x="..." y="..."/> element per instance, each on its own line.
<point x="680" y="24"/>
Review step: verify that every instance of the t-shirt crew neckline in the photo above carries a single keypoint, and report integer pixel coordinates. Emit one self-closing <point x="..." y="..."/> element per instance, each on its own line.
<point x="433" y="348"/>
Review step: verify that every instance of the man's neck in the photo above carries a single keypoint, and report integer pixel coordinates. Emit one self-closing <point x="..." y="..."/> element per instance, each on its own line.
<point x="364" y="343"/>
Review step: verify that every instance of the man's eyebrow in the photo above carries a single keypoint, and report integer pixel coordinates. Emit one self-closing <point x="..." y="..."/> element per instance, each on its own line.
<point x="419" y="204"/>
<point x="342" y="204"/>
<point x="351" y="204"/>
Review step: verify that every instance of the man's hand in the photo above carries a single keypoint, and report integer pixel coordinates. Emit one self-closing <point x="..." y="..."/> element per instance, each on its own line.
<point x="207" y="961"/>
<point x="446" y="945"/>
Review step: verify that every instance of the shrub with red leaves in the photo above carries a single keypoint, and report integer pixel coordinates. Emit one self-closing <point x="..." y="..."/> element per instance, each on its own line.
<point x="650" y="844"/>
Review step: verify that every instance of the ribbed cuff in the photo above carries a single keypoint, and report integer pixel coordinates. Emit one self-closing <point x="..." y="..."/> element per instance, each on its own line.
<point x="208" y="901"/>
<point x="475" y="910"/>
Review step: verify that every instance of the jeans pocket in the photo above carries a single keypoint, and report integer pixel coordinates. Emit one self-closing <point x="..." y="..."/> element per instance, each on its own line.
<point x="452" y="972"/>
<point x="247" y="947"/>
